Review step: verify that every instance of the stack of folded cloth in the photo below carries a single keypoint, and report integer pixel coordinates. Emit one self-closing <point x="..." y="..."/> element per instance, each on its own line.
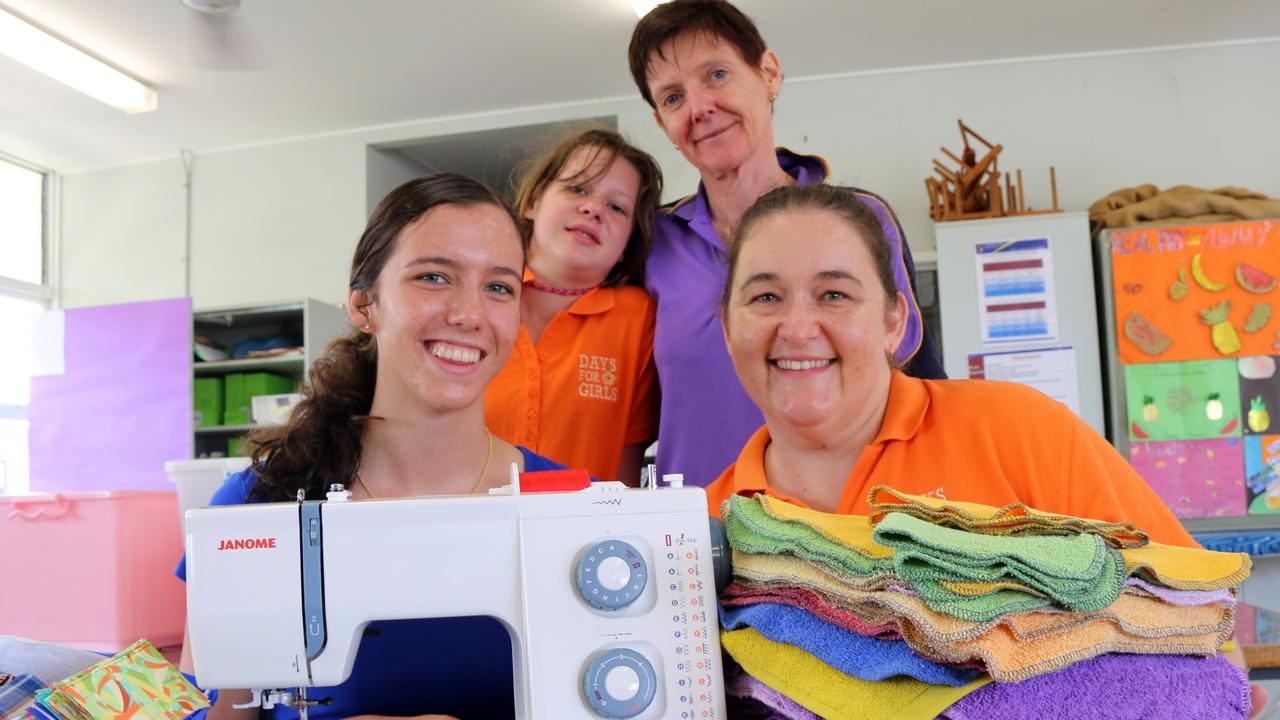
<point x="934" y="608"/>
<point x="135" y="684"/>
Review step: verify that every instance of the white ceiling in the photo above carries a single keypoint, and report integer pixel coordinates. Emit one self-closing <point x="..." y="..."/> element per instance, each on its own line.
<point x="330" y="65"/>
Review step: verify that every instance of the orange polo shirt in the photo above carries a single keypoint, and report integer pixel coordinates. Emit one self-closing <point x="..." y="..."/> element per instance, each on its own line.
<point x="588" y="389"/>
<point x="986" y="442"/>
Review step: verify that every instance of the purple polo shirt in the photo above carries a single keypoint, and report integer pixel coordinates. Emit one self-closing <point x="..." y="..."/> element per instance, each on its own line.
<point x="706" y="416"/>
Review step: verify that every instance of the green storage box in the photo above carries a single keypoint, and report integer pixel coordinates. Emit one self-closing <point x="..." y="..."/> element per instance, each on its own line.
<point x="243" y="387"/>
<point x="235" y="410"/>
<point x="207" y="401"/>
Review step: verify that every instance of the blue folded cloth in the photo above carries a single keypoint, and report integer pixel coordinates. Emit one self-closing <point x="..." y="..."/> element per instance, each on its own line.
<point x="863" y="657"/>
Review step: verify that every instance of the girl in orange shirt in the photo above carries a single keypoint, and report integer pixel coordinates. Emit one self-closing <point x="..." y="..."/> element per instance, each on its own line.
<point x="580" y="386"/>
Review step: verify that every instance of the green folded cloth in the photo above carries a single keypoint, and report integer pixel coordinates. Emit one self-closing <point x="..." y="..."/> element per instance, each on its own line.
<point x="1078" y="572"/>
<point x="752" y="529"/>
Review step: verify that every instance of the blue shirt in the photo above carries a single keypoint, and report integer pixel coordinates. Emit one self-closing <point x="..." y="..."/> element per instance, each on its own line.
<point x="706" y="416"/>
<point x="454" y="666"/>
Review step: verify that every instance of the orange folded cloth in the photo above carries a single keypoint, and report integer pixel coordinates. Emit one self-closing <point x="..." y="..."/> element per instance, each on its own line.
<point x="1134" y="623"/>
<point x="1012" y="519"/>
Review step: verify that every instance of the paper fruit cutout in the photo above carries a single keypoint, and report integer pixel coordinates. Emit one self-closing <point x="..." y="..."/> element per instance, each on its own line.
<point x="1146" y="336"/>
<point x="1213" y="407"/>
<point x="1150" y="413"/>
<point x="1258" y="318"/>
<point x="1137" y="430"/>
<point x="1230" y="427"/>
<point x="1197" y="272"/>
<point x="1180" y="399"/>
<point x="1257" y="367"/>
<point x="1178" y="289"/>
<point x="1259" y="418"/>
<point x="1254" y="280"/>
<point x="1225" y="338"/>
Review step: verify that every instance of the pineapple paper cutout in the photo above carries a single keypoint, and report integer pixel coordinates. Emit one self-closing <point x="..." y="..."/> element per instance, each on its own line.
<point x="1150" y="413"/>
<point x="1259" y="418"/>
<point x="1225" y="338"/>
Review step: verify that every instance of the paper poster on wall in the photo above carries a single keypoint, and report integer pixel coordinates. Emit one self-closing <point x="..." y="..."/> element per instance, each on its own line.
<point x="1052" y="371"/>
<point x="1262" y="474"/>
<point x="123" y="405"/>
<point x="1195" y="478"/>
<point x="1183" y="401"/>
<point x="1196" y="292"/>
<point x="1016" y="301"/>
<point x="1259" y="393"/>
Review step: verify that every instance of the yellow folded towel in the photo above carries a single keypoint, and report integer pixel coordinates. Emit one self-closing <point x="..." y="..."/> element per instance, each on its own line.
<point x="970" y="588"/>
<point x="831" y="693"/>
<point x="851" y="531"/>
<point x="1185" y="568"/>
<point x="1012" y="519"/>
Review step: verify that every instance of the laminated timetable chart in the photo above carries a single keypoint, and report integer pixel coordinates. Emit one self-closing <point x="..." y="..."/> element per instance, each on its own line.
<point x="1015" y="289"/>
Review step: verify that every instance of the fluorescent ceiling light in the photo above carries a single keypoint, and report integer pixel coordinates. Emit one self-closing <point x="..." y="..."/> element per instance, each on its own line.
<point x="41" y="51"/>
<point x="642" y="7"/>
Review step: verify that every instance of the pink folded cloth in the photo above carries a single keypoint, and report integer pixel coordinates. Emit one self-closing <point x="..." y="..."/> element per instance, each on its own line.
<point x="1182" y="597"/>
<point x="737" y="594"/>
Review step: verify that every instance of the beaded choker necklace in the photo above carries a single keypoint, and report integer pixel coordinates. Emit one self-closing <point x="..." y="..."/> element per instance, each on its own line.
<point x="567" y="292"/>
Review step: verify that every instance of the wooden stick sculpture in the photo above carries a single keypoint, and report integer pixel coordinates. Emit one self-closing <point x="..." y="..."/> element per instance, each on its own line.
<point x="971" y="189"/>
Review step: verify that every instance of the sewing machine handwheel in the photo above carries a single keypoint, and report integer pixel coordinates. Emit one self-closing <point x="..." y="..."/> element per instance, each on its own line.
<point x="619" y="683"/>
<point x="611" y="574"/>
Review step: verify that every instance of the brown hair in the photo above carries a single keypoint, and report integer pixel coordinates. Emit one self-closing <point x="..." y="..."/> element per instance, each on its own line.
<point x="320" y="445"/>
<point x="547" y="169"/>
<point x="826" y="198"/>
<point x="708" y="18"/>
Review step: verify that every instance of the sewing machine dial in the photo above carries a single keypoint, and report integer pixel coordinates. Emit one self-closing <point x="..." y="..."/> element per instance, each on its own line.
<point x="611" y="574"/>
<point x="619" y="683"/>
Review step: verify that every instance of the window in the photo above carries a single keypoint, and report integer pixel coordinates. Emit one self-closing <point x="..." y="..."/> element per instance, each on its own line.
<point x="25" y="292"/>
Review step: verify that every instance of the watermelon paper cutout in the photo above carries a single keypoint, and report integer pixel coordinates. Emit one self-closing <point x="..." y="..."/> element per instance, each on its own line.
<point x="1254" y="280"/>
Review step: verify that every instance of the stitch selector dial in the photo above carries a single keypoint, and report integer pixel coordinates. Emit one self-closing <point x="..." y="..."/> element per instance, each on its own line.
<point x="611" y="574"/>
<point x="619" y="683"/>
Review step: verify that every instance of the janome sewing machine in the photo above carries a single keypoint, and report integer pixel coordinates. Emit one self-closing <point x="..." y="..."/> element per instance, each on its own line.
<point x="609" y="593"/>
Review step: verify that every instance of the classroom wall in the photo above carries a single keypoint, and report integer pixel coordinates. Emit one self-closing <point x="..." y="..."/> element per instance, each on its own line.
<point x="279" y="220"/>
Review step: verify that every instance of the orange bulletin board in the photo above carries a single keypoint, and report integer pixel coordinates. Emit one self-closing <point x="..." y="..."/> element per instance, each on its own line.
<point x="1197" y="292"/>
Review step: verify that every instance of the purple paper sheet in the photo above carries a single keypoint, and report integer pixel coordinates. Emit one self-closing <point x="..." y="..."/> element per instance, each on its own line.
<point x="123" y="406"/>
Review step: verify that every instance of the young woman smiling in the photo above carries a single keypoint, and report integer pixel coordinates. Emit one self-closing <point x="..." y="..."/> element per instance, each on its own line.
<point x="581" y="385"/>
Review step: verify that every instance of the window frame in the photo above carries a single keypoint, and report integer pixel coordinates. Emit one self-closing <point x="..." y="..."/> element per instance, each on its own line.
<point x="46" y="292"/>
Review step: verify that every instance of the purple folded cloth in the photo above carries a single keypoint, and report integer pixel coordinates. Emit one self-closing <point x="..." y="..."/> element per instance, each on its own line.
<point x="866" y="658"/>
<point x="1184" y="598"/>
<point x="1117" y="687"/>
<point x="749" y="699"/>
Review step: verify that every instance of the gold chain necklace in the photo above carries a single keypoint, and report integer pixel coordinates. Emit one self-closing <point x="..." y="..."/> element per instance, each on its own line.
<point x="488" y="456"/>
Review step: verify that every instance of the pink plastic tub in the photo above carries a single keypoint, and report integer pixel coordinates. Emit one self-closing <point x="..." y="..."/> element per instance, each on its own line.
<point x="92" y="569"/>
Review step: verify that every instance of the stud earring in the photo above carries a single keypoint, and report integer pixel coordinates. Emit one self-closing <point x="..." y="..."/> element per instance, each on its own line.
<point x="365" y="326"/>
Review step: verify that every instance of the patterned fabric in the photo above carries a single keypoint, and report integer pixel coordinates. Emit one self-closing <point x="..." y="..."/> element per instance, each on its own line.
<point x="17" y="694"/>
<point x="136" y="684"/>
